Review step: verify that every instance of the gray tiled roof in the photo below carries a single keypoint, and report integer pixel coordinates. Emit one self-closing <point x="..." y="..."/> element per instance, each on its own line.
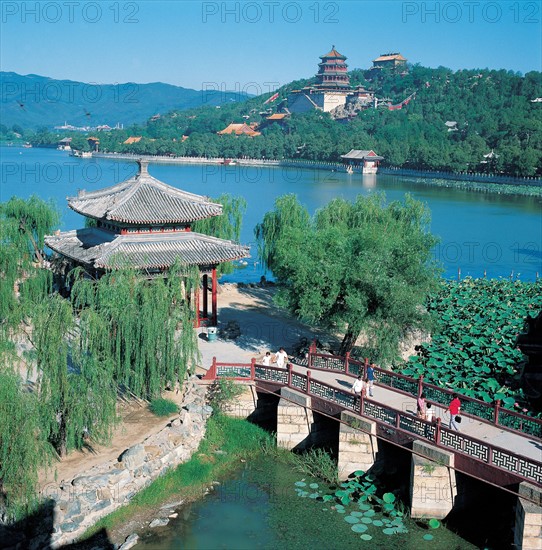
<point x="360" y="155"/>
<point x="105" y="250"/>
<point x="144" y="200"/>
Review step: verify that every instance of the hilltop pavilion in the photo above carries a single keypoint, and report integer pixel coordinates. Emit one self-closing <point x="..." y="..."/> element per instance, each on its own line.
<point x="146" y="224"/>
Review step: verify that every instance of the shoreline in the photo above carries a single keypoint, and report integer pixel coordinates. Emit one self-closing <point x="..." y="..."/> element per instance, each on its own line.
<point x="458" y="177"/>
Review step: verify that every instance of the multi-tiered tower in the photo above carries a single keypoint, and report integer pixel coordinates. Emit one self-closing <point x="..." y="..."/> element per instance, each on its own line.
<point x="333" y="72"/>
<point x="330" y="91"/>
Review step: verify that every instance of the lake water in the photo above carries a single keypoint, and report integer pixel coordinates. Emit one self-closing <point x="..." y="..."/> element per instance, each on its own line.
<point x="257" y="508"/>
<point x="479" y="232"/>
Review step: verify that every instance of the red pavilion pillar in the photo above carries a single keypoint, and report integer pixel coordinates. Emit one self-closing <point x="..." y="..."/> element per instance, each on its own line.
<point x="205" y="297"/>
<point x="213" y="298"/>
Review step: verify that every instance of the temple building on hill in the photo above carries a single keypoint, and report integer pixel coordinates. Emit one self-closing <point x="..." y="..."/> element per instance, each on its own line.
<point x="332" y="90"/>
<point x="146" y="224"/>
<point x="389" y="61"/>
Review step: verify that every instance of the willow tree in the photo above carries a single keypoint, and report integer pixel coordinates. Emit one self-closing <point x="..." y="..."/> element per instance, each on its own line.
<point x="355" y="267"/>
<point x="143" y="328"/>
<point x="76" y="391"/>
<point x="226" y="226"/>
<point x="23" y="224"/>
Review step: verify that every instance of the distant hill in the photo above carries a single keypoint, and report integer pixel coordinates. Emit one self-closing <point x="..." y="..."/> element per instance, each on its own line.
<point x="31" y="101"/>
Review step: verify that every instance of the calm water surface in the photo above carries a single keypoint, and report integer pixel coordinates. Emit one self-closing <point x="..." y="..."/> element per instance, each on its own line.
<point x="257" y="508"/>
<point x="499" y="234"/>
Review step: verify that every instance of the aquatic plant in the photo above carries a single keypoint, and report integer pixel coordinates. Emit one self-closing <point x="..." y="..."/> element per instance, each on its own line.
<point x="473" y="349"/>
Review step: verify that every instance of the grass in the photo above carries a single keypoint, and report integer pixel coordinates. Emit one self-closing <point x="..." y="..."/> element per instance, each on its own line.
<point x="238" y="439"/>
<point x="163" y="407"/>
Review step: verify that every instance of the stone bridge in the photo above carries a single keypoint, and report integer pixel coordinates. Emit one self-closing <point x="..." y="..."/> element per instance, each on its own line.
<point x="312" y="403"/>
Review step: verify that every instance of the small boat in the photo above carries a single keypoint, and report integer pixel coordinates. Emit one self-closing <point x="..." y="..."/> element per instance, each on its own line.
<point x="229" y="162"/>
<point x="27" y="145"/>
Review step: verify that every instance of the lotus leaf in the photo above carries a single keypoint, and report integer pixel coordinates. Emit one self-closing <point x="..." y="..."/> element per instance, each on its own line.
<point x="366" y="520"/>
<point x="389" y="531"/>
<point x="356" y="513"/>
<point x="378" y="523"/>
<point x="363" y="506"/>
<point x="359" y="528"/>
<point x="300" y="484"/>
<point x="359" y="473"/>
<point x="388" y="497"/>
<point x="340" y="510"/>
<point x="369" y="513"/>
<point x="428" y="537"/>
<point x="314" y="495"/>
<point x="434" y="523"/>
<point x="351" y="519"/>
<point x="365" y="536"/>
<point x="313" y="485"/>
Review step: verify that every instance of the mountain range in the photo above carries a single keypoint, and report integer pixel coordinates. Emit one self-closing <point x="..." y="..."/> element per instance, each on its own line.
<point x="32" y="101"/>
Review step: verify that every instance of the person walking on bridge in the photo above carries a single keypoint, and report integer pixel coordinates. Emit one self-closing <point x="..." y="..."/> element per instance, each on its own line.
<point x="453" y="408"/>
<point x="281" y="358"/>
<point x="370" y="378"/>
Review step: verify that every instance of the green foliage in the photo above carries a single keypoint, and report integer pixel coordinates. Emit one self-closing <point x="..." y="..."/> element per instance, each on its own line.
<point x="222" y="393"/>
<point x="316" y="463"/>
<point x="143" y="328"/>
<point x="23" y="224"/>
<point x="76" y="390"/>
<point x="361" y="266"/>
<point x="473" y="350"/>
<point x="23" y="449"/>
<point x="163" y="407"/>
<point x="226" y="226"/>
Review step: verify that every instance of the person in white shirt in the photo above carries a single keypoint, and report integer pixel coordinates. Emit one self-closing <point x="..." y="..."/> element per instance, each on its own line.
<point x="357" y="387"/>
<point x="281" y="357"/>
<point x="266" y="361"/>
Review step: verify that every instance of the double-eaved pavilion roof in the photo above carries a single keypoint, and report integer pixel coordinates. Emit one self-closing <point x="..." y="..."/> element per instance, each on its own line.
<point x="144" y="200"/>
<point x="148" y="236"/>
<point x="102" y="249"/>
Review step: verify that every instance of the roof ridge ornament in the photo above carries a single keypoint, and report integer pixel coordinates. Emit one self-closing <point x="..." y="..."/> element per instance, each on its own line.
<point x="143" y="167"/>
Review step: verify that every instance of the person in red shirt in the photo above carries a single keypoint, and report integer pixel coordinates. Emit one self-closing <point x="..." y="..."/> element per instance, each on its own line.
<point x="453" y="408"/>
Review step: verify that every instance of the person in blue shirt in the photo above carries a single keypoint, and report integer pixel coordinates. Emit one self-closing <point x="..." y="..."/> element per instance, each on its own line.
<point x="370" y="379"/>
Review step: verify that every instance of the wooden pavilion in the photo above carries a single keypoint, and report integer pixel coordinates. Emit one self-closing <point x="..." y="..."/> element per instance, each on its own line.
<point x="146" y="224"/>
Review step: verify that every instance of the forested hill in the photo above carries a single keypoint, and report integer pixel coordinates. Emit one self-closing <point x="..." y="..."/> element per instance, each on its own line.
<point x="31" y="101"/>
<point x="493" y="110"/>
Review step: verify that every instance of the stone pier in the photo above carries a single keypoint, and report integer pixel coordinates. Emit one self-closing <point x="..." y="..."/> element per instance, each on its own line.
<point x="358" y="444"/>
<point x="245" y="404"/>
<point x="528" y="525"/>
<point x="432" y="483"/>
<point x="294" y="419"/>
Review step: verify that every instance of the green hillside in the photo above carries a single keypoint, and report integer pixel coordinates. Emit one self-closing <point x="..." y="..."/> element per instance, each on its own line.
<point x="493" y="110"/>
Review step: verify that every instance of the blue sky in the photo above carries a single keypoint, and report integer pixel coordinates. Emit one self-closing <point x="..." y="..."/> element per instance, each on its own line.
<point x="253" y="46"/>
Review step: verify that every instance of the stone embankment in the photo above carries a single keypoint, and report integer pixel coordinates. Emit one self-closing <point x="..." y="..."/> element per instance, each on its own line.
<point x="92" y="494"/>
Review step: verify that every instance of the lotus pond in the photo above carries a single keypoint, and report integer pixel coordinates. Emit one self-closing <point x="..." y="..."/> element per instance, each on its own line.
<point x="265" y="504"/>
<point x="473" y="348"/>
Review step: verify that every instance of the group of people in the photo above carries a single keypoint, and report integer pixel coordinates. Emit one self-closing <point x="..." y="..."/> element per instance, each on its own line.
<point x="425" y="411"/>
<point x="360" y="387"/>
<point x="280" y="358"/>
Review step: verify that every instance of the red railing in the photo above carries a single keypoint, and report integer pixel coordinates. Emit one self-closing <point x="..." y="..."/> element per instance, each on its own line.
<point x="385" y="416"/>
<point x="491" y="413"/>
